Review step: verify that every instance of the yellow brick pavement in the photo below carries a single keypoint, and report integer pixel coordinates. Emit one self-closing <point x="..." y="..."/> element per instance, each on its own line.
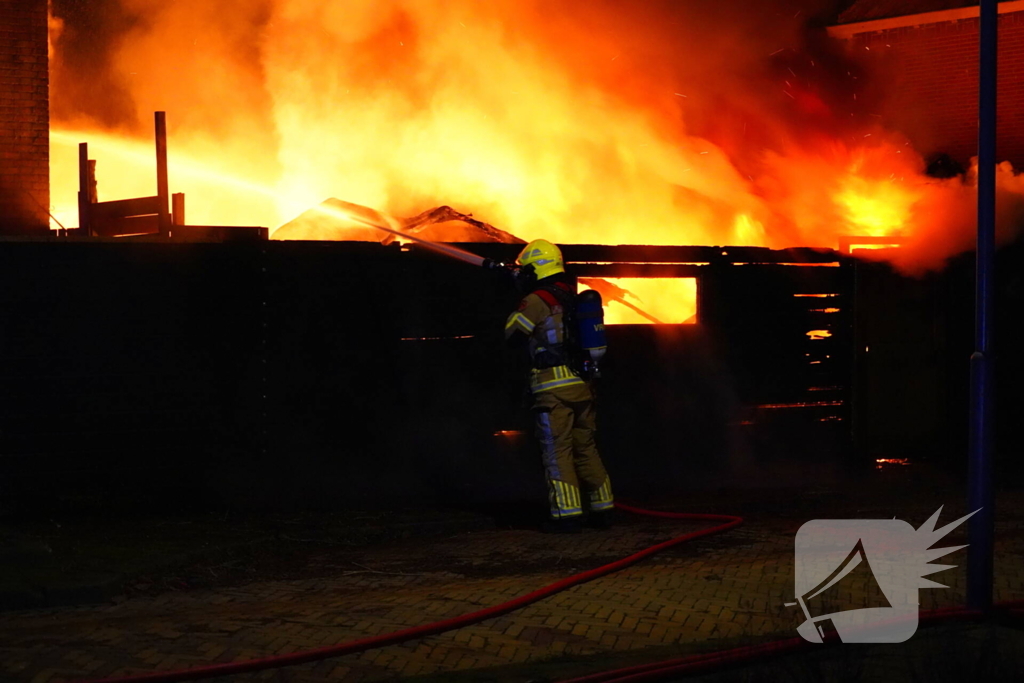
<point x="714" y="590"/>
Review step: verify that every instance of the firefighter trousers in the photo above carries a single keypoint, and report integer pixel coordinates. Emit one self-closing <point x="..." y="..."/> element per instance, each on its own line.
<point x="565" y="426"/>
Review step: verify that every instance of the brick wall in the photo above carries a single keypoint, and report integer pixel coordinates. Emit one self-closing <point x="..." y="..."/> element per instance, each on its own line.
<point x="24" y="118"/>
<point x="932" y="73"/>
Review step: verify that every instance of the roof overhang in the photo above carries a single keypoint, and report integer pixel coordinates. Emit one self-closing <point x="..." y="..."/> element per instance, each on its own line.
<point x="847" y="31"/>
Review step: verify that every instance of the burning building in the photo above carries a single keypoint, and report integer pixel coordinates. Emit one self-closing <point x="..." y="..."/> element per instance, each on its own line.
<point x="537" y="120"/>
<point x="312" y="362"/>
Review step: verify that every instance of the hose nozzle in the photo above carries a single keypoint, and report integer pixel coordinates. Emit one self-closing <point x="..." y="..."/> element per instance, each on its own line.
<point x="522" y="277"/>
<point x="491" y="264"/>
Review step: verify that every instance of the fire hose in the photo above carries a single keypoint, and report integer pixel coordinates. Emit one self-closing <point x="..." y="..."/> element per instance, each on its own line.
<point x="363" y="644"/>
<point x="657" y="671"/>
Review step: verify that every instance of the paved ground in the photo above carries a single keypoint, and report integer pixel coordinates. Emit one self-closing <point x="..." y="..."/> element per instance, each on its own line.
<point x="708" y="594"/>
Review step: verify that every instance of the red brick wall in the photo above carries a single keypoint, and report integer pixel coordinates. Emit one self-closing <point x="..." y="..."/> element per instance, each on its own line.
<point x="931" y="73"/>
<point x="24" y="118"/>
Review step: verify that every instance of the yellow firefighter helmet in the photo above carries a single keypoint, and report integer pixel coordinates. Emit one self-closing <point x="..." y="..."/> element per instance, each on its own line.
<point x="545" y="258"/>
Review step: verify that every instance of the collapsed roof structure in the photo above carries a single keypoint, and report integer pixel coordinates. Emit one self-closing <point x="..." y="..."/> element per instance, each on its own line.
<point x="441" y="224"/>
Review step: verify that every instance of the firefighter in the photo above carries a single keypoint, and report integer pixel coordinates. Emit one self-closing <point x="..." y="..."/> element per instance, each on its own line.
<point x="563" y="405"/>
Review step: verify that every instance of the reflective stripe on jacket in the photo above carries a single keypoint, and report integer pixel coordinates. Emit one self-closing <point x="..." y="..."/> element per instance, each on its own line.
<point x="542" y="324"/>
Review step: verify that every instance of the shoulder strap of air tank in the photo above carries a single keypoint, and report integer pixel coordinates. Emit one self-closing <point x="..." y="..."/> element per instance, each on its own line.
<point x="558" y="293"/>
<point x="548" y="297"/>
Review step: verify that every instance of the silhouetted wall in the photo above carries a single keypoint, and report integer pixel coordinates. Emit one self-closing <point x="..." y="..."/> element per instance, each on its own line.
<point x="149" y="375"/>
<point x="914" y="339"/>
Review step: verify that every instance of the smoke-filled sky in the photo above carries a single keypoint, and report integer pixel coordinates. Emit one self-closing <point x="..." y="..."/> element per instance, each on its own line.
<point x="686" y="122"/>
<point x="696" y="42"/>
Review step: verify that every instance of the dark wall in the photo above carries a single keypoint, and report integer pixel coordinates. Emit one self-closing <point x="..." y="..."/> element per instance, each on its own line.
<point x="914" y="339"/>
<point x="124" y="367"/>
<point x="323" y="375"/>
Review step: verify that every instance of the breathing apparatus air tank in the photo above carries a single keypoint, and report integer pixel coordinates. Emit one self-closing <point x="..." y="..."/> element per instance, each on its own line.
<point x="590" y="318"/>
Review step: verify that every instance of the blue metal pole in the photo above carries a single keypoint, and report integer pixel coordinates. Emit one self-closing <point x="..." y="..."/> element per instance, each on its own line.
<point x="980" y="494"/>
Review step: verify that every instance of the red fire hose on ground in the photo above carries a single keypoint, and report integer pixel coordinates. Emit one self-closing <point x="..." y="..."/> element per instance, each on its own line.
<point x="351" y="647"/>
<point x="647" y="672"/>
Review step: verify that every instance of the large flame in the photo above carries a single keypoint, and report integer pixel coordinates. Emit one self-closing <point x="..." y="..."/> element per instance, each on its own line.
<point x="573" y="121"/>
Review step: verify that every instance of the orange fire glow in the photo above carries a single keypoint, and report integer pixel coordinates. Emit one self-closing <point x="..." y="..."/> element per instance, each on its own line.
<point x="877" y="210"/>
<point x="646" y="301"/>
<point x="884" y="463"/>
<point x="543" y="121"/>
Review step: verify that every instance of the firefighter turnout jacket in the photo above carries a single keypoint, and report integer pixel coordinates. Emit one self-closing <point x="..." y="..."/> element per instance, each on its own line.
<point x="540" y="317"/>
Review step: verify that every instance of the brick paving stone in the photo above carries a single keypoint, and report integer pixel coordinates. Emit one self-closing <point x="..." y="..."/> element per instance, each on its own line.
<point x="664" y="601"/>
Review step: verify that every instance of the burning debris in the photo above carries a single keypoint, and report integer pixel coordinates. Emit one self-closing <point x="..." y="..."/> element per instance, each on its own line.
<point x="610" y="292"/>
<point x="649" y="301"/>
<point x="337" y="220"/>
<point x="442" y="224"/>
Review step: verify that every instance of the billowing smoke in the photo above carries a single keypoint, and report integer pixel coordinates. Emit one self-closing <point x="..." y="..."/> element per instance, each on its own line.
<point x="702" y="122"/>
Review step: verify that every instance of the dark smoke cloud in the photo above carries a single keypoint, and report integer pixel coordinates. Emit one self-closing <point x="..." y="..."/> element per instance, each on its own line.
<point x="85" y="87"/>
<point x="90" y="86"/>
<point x="749" y="75"/>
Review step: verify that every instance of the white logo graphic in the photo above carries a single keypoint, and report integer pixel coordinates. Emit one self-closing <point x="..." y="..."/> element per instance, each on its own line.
<point x="860" y="577"/>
